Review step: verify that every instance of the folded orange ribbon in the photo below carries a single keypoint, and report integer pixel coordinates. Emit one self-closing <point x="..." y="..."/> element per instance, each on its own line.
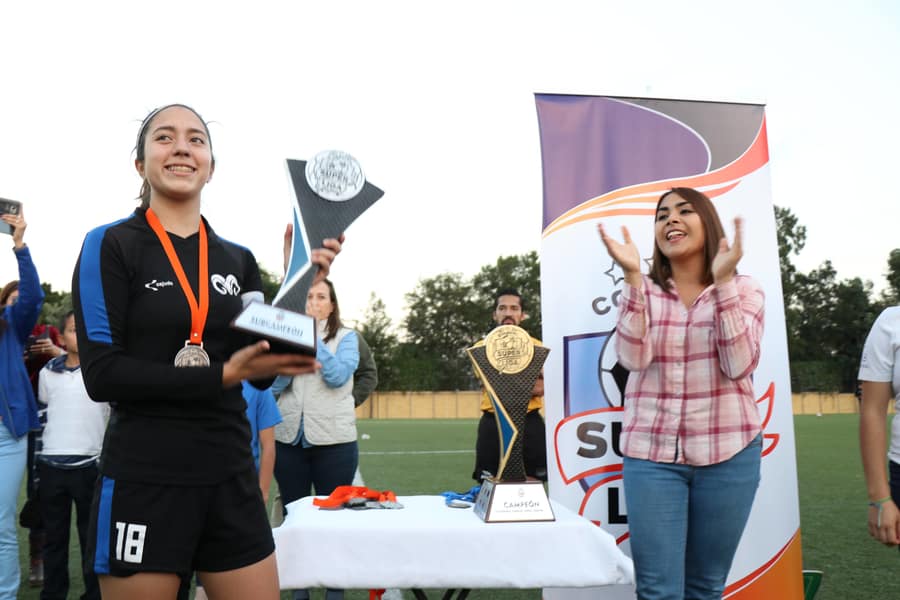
<point x="344" y="493"/>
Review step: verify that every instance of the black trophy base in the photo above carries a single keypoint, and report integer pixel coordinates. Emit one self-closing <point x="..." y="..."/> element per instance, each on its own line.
<point x="281" y="347"/>
<point x="287" y="332"/>
<point x="512" y="502"/>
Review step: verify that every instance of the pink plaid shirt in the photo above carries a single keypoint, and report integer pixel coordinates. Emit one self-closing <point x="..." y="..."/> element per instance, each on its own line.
<point x="690" y="396"/>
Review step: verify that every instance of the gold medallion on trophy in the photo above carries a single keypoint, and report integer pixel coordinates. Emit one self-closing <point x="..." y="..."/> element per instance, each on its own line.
<point x="509" y="349"/>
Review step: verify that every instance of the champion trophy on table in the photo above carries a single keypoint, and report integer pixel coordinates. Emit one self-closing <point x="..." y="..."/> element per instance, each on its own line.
<point x="508" y="365"/>
<point x="329" y="192"/>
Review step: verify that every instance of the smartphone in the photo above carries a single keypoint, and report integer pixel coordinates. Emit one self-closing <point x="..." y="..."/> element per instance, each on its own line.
<point x="32" y="340"/>
<point x="8" y="207"/>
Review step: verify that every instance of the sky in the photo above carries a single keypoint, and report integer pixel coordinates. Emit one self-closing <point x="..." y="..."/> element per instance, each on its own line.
<point x="436" y="101"/>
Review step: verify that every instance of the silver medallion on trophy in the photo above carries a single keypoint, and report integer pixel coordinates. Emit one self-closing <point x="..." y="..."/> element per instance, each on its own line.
<point x="508" y="364"/>
<point x="329" y="192"/>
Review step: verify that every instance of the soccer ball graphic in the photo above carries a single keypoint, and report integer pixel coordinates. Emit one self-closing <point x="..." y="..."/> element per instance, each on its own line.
<point x="611" y="374"/>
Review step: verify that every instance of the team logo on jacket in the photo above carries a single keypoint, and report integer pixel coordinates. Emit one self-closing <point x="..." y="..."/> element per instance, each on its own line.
<point x="157" y="285"/>
<point x="226" y="285"/>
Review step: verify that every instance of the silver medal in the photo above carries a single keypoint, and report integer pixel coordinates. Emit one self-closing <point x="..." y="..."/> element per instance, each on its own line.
<point x="192" y="355"/>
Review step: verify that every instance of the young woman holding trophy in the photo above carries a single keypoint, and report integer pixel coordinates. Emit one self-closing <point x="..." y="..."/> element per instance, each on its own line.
<point x="178" y="490"/>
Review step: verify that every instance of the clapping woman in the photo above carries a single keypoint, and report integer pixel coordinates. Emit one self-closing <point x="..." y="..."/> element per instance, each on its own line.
<point x="689" y="332"/>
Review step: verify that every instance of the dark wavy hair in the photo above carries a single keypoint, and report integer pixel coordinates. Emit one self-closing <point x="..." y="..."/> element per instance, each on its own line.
<point x="144" y="195"/>
<point x="7" y="291"/>
<point x="661" y="269"/>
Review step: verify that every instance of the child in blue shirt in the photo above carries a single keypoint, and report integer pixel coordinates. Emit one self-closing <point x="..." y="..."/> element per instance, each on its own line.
<point x="262" y="412"/>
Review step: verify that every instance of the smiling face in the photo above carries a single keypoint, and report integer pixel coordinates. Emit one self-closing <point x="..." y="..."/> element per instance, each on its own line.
<point x="679" y="229"/>
<point x="685" y="218"/>
<point x="175" y="158"/>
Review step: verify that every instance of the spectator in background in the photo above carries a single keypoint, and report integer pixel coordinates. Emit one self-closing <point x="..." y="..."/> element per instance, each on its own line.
<point x="262" y="412"/>
<point x="43" y="344"/>
<point x="67" y="464"/>
<point x="20" y="302"/>
<point x="316" y="442"/>
<point x="879" y="372"/>
<point x="509" y="309"/>
<point x="365" y="378"/>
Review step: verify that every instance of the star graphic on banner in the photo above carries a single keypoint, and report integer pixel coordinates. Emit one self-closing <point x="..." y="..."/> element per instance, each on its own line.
<point x="615" y="272"/>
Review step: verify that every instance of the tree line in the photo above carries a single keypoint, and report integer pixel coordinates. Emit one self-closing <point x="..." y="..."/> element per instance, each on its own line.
<point x="827" y="319"/>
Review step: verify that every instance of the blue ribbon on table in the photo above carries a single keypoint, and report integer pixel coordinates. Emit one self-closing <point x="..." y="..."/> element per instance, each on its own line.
<point x="464" y="496"/>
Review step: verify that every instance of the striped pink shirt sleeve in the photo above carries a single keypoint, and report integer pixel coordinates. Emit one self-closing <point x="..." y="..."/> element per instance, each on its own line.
<point x="690" y="395"/>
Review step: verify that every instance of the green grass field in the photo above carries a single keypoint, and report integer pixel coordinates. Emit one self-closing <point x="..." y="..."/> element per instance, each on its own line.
<point x="429" y="457"/>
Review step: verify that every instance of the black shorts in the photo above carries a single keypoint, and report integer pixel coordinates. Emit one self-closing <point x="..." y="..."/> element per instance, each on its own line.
<point x="138" y="527"/>
<point x="487" y="446"/>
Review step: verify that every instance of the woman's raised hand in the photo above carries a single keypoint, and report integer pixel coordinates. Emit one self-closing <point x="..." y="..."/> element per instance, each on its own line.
<point x="19" y="224"/>
<point x="725" y="263"/>
<point x="325" y="255"/>
<point x="625" y="253"/>
<point x="321" y="257"/>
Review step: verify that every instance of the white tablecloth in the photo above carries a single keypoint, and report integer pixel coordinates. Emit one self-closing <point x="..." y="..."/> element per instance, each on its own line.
<point x="429" y="545"/>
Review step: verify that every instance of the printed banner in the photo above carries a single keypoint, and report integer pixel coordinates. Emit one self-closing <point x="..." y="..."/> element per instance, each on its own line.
<point x="610" y="159"/>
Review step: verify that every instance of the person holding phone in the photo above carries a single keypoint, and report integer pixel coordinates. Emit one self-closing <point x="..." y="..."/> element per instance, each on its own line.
<point x="12" y="208"/>
<point x="44" y="344"/>
<point x="21" y="303"/>
<point x="178" y="489"/>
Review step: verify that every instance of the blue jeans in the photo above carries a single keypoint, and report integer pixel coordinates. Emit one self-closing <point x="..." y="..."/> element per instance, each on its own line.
<point x="12" y="467"/>
<point x="685" y="522"/>
<point x="298" y="470"/>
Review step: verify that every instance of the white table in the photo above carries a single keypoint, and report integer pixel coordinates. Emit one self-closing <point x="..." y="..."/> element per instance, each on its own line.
<point x="429" y="545"/>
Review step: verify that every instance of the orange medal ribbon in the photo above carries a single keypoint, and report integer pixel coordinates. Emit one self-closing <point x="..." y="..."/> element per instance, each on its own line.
<point x="199" y="310"/>
<point x="343" y="493"/>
